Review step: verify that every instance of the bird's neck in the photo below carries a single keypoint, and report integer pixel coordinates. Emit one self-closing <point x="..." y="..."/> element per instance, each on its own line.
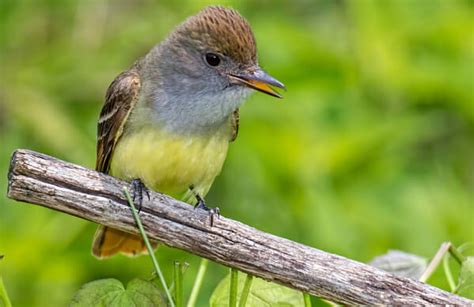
<point x="176" y="119"/>
<point x="191" y="116"/>
<point x="181" y="100"/>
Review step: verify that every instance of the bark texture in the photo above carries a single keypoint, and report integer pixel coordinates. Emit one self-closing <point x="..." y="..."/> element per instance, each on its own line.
<point x="46" y="181"/>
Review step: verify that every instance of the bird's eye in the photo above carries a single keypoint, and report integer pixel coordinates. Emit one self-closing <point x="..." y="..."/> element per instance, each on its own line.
<point x="212" y="59"/>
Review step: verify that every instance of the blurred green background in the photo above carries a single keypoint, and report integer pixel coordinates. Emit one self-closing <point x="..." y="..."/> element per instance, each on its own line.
<point x="372" y="147"/>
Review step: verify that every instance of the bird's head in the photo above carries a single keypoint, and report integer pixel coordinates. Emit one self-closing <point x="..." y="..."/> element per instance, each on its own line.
<point x="209" y="63"/>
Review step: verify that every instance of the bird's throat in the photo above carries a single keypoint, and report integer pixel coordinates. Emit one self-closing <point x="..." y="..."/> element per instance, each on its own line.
<point x="181" y="109"/>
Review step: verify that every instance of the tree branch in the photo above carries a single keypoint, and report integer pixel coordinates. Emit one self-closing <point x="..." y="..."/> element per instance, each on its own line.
<point x="62" y="186"/>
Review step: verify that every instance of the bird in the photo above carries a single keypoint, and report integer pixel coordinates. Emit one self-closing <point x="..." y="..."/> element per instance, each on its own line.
<point x="167" y="121"/>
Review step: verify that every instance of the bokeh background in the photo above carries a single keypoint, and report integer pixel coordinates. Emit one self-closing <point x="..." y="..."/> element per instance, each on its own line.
<point x="372" y="147"/>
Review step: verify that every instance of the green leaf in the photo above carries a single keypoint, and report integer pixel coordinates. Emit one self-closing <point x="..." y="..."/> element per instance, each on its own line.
<point x="262" y="293"/>
<point x="111" y="292"/>
<point x="466" y="278"/>
<point x="401" y="263"/>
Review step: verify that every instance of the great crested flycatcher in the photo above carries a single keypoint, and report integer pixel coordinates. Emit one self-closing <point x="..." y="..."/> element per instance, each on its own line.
<point x="168" y="120"/>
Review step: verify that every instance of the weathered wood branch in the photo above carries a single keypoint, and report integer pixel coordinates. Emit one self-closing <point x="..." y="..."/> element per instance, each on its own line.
<point x="62" y="186"/>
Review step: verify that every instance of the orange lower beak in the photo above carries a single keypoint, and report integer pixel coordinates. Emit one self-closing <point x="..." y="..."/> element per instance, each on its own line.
<point x="260" y="81"/>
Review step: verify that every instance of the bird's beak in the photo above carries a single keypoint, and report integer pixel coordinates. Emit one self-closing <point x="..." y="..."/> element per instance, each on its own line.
<point x="258" y="80"/>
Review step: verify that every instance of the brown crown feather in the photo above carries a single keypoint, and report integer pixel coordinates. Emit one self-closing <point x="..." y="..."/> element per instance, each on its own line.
<point x="223" y="30"/>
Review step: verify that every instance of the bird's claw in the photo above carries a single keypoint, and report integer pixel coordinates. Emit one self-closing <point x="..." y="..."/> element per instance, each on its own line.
<point x="138" y="189"/>
<point x="213" y="212"/>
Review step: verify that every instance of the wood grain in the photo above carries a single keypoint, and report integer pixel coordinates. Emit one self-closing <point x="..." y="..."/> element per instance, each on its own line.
<point x="46" y="181"/>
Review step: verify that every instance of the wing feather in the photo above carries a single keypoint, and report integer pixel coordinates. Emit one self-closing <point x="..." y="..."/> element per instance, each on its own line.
<point x="122" y="96"/>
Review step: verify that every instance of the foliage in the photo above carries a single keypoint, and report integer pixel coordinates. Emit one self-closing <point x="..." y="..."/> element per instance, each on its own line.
<point x="401" y="264"/>
<point x="108" y="292"/>
<point x="370" y="149"/>
<point x="466" y="278"/>
<point x="262" y="293"/>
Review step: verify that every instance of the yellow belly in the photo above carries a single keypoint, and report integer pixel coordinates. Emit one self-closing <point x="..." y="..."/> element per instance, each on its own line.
<point x="170" y="163"/>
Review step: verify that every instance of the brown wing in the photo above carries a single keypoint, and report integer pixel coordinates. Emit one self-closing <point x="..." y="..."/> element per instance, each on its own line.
<point x="121" y="97"/>
<point x="234" y="125"/>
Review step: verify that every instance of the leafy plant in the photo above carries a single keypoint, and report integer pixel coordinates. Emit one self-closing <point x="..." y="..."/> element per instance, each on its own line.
<point x="111" y="292"/>
<point x="261" y="293"/>
<point x="416" y="267"/>
<point x="401" y="263"/>
<point x="466" y="279"/>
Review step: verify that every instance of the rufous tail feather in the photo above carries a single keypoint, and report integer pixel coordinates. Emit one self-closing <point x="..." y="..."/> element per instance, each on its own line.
<point x="108" y="242"/>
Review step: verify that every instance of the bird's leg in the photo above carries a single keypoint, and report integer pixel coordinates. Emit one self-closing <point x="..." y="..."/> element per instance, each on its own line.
<point x="138" y="189"/>
<point x="213" y="212"/>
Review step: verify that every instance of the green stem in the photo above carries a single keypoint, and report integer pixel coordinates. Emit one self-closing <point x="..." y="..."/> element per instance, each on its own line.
<point x="234" y="280"/>
<point x="148" y="245"/>
<point x="4" y="295"/>
<point x="434" y="263"/>
<point x="456" y="254"/>
<point x="307" y="299"/>
<point x="245" y="290"/>
<point x="198" y="282"/>
<point x="184" y="267"/>
<point x="330" y="303"/>
<point x="178" y="284"/>
<point x="448" y="274"/>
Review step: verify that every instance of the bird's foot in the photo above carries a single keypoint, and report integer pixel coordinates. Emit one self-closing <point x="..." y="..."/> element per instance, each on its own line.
<point x="213" y="212"/>
<point x="138" y="189"/>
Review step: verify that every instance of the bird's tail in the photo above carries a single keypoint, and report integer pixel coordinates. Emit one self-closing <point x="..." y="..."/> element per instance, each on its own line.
<point x="108" y="242"/>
